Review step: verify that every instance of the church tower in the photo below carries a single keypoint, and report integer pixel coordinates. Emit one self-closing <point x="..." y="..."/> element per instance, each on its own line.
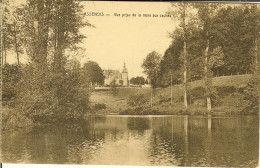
<point x="125" y="76"/>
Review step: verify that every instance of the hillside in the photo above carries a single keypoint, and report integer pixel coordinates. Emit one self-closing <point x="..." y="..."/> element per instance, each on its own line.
<point x="227" y="87"/>
<point x="236" y="81"/>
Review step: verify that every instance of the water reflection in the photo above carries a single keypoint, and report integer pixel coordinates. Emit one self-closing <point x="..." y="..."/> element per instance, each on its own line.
<point x="139" y="124"/>
<point x="140" y="140"/>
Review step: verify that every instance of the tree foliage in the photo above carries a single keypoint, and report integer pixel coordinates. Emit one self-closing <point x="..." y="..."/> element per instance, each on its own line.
<point x="92" y="73"/>
<point x="6" y="39"/>
<point x="151" y="66"/>
<point x="228" y="34"/>
<point x="11" y="75"/>
<point x="50" y="86"/>
<point x="139" y="80"/>
<point x="137" y="100"/>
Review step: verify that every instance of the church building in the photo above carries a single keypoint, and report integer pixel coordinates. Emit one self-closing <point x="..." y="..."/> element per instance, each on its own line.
<point x="120" y="78"/>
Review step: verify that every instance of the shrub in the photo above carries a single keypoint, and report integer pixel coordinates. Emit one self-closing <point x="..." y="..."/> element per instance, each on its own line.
<point x="137" y="100"/>
<point x="234" y="102"/>
<point x="114" y="88"/>
<point x="251" y="94"/>
<point x="225" y="90"/>
<point x="11" y="75"/>
<point x="141" y="111"/>
<point x="164" y="100"/>
<point x="12" y="119"/>
<point x="197" y="93"/>
<point x="100" y="106"/>
<point x="48" y="96"/>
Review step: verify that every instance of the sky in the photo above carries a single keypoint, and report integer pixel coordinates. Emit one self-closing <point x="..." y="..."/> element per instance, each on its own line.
<point x="116" y="40"/>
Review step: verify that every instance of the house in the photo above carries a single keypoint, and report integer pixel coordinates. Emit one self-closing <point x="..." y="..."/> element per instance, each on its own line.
<point x="119" y="78"/>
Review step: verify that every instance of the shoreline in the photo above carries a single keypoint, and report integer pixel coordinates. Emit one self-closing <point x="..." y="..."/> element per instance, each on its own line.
<point x="79" y="121"/>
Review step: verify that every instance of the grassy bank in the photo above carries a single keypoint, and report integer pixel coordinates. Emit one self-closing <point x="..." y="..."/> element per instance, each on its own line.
<point x="114" y="102"/>
<point x="228" y="99"/>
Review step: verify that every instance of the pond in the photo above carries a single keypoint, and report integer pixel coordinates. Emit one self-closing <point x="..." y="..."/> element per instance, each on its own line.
<point x="140" y="140"/>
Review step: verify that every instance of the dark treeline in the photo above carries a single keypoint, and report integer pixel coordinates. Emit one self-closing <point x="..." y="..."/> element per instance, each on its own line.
<point x="139" y="80"/>
<point x="212" y="40"/>
<point x="49" y="87"/>
<point x="234" y="31"/>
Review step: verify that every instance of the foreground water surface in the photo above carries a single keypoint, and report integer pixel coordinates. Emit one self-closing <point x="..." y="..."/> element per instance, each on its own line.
<point x="140" y="140"/>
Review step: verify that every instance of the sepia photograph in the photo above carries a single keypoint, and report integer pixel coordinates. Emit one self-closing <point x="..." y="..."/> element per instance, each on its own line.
<point x="130" y="83"/>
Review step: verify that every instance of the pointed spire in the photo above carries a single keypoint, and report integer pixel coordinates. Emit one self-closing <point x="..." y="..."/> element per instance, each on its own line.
<point x="124" y="69"/>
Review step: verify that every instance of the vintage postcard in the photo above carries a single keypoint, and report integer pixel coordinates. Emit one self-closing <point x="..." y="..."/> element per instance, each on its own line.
<point x="130" y="83"/>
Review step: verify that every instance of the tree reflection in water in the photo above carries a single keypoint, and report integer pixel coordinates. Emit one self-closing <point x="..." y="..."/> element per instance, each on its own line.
<point x="146" y="140"/>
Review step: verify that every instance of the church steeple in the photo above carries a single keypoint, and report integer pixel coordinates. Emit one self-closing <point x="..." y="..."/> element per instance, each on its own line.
<point x="124" y="69"/>
<point x="125" y="76"/>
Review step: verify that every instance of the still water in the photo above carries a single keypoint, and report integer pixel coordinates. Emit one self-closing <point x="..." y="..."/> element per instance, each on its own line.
<point x="141" y="140"/>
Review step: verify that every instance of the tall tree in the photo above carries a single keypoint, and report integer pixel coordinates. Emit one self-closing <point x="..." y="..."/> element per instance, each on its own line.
<point x="92" y="73"/>
<point x="235" y="32"/>
<point x="151" y="66"/>
<point x="216" y="60"/>
<point x="252" y="89"/>
<point x="50" y="29"/>
<point x="255" y="26"/>
<point x="171" y="64"/>
<point x="36" y="19"/>
<point x="206" y="13"/>
<point x="5" y="30"/>
<point x="180" y="10"/>
<point x="16" y="33"/>
<point x="66" y="22"/>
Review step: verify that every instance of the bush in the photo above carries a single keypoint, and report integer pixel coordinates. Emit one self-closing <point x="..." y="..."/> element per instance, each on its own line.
<point x="12" y="119"/>
<point x="131" y="111"/>
<point x="137" y="100"/>
<point x="225" y="90"/>
<point x="140" y="111"/>
<point x="164" y="100"/>
<point x="215" y="98"/>
<point x="114" y="88"/>
<point x="47" y="96"/>
<point x="234" y="103"/>
<point x="100" y="106"/>
<point x="11" y="75"/>
<point x="251" y="94"/>
<point x="42" y="95"/>
<point x="197" y="93"/>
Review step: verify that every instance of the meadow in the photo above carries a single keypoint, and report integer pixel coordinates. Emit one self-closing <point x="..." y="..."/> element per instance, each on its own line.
<point x="228" y="99"/>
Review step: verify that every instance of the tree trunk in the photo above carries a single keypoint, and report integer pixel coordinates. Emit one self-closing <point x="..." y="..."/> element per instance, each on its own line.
<point x="185" y="59"/>
<point x="190" y="87"/>
<point x="17" y="55"/>
<point x="5" y="56"/>
<point x="256" y="40"/>
<point x="59" y="62"/>
<point x="3" y="49"/>
<point x="207" y="83"/>
<point x="256" y="54"/>
<point x="41" y="26"/>
<point x="2" y="57"/>
<point x="16" y="45"/>
<point x="171" y="87"/>
<point x="208" y="104"/>
<point x="151" y="99"/>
